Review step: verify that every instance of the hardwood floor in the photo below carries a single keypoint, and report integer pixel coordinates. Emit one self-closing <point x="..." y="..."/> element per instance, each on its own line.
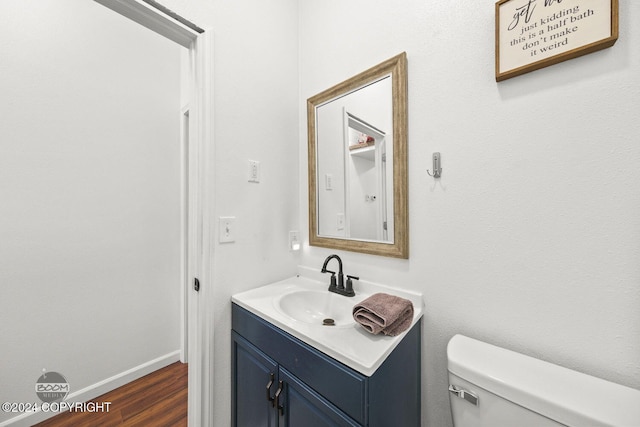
<point x="157" y="399"/>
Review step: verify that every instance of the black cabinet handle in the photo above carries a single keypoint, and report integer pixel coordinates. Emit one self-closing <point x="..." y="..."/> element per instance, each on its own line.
<point x="272" y="377"/>
<point x="276" y="400"/>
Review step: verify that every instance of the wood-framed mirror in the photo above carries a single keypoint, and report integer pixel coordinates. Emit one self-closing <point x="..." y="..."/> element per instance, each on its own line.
<point x="357" y="144"/>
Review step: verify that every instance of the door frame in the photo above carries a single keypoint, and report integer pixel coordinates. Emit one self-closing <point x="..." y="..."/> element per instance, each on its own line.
<point x="201" y="181"/>
<point x="186" y="232"/>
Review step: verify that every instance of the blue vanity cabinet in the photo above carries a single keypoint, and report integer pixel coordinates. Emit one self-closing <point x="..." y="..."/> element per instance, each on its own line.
<point x="255" y="378"/>
<point x="304" y="407"/>
<point x="317" y="390"/>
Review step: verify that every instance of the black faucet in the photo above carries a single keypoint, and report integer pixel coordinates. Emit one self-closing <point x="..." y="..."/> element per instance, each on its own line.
<point x="339" y="288"/>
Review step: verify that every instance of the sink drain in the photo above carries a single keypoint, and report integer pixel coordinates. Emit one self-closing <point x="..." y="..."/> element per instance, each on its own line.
<point x="328" y="322"/>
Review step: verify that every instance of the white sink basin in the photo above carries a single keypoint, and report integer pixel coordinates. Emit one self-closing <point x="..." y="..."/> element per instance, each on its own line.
<point x="298" y="306"/>
<point x="320" y="308"/>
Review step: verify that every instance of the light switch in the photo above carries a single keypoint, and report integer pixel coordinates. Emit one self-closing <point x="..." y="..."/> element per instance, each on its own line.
<point x="227" y="229"/>
<point x="340" y="221"/>
<point x="328" y="182"/>
<point x="254" y="171"/>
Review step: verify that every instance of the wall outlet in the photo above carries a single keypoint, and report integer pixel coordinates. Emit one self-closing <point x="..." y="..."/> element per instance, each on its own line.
<point x="254" y="171"/>
<point x="227" y="232"/>
<point x="294" y="241"/>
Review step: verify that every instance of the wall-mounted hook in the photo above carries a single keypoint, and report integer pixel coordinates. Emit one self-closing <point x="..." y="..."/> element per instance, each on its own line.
<point x="437" y="170"/>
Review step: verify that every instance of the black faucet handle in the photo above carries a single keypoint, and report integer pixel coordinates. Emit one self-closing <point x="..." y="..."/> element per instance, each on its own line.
<point x="348" y="289"/>
<point x="333" y="284"/>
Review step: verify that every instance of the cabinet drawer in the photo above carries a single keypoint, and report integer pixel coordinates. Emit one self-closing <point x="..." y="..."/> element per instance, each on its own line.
<point x="337" y="383"/>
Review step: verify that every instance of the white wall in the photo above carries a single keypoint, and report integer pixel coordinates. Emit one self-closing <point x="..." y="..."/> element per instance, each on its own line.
<point x="331" y="158"/>
<point x="90" y="195"/>
<point x="256" y="117"/>
<point x="255" y="84"/>
<point x="530" y="240"/>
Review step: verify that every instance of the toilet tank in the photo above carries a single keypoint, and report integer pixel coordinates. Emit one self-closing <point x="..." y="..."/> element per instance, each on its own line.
<point x="492" y="387"/>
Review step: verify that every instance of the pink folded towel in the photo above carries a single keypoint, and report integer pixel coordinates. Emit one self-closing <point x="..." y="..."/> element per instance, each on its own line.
<point x="384" y="313"/>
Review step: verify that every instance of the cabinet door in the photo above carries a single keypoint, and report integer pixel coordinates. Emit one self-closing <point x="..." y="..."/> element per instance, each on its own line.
<point x="303" y="407"/>
<point x="252" y="372"/>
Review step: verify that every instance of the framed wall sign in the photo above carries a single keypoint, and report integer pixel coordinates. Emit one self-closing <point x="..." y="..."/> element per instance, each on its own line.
<point x="532" y="34"/>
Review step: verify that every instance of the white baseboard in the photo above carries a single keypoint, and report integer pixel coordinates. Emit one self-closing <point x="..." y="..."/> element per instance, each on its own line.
<point x="97" y="389"/>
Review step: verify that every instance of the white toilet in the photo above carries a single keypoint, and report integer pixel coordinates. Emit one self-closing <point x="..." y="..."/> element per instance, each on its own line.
<point x="494" y="387"/>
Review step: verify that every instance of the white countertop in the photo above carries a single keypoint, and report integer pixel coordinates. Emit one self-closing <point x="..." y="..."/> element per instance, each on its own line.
<point x="351" y="345"/>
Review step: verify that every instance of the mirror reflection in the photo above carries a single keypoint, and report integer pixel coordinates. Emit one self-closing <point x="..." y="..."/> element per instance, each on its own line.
<point x="357" y="162"/>
<point x="352" y="141"/>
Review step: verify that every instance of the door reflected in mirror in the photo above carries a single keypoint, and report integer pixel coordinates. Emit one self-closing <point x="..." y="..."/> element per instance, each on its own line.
<point x="352" y="138"/>
<point x="357" y="162"/>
